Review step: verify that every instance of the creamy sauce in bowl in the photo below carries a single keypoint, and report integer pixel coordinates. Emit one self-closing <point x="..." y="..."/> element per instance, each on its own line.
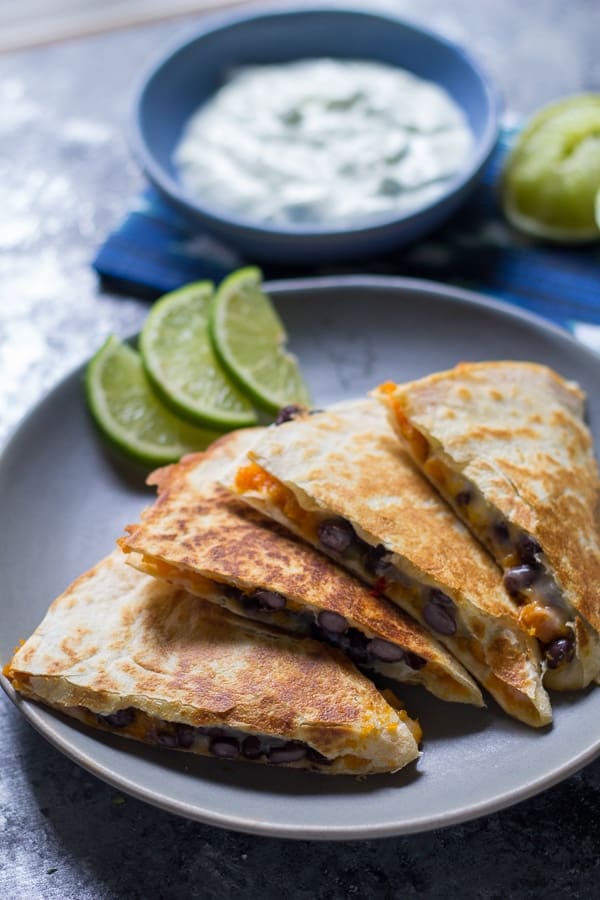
<point x="323" y="141"/>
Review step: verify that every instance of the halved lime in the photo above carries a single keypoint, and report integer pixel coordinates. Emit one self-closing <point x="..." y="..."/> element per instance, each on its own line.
<point x="180" y="361"/>
<point x="552" y="176"/>
<point x="250" y="340"/>
<point x="128" y="412"/>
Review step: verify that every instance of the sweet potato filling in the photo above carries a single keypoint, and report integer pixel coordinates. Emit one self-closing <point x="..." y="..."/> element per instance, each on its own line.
<point x="253" y="478"/>
<point x="412" y="724"/>
<point x="419" y="446"/>
<point x="546" y="623"/>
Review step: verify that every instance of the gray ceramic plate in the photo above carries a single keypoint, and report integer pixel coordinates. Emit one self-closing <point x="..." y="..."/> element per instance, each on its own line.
<point x="66" y="501"/>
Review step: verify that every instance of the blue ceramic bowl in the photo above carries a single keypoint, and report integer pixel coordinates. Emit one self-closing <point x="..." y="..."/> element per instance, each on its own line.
<point x="188" y="75"/>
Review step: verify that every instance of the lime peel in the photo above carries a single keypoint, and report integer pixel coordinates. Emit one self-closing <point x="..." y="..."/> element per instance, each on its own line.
<point x="181" y="363"/>
<point x="250" y="340"/>
<point x="130" y="415"/>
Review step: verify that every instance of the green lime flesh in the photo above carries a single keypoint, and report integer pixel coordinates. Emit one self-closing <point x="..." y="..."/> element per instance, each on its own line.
<point x="130" y="415"/>
<point x="180" y="361"/>
<point x="552" y="176"/>
<point x="250" y="340"/>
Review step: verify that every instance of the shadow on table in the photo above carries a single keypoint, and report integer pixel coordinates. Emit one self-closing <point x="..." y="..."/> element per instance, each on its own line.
<point x="100" y="844"/>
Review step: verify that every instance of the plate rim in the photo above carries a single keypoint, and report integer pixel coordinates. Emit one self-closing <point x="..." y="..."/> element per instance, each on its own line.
<point x="37" y="717"/>
<point x="44" y="720"/>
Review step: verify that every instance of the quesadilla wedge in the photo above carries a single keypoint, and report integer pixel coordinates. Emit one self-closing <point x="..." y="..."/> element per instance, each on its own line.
<point x="505" y="443"/>
<point x="341" y="481"/>
<point x="133" y="655"/>
<point x="199" y="536"/>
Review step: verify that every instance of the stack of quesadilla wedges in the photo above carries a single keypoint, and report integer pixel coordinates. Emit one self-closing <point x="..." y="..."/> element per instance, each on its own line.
<point x="439" y="533"/>
<point x="164" y="661"/>
<point x="340" y="480"/>
<point x="199" y="536"/>
<point x="131" y="654"/>
<point x="505" y="443"/>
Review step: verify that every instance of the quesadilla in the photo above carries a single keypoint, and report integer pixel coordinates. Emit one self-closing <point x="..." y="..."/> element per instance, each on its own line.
<point x="126" y="653"/>
<point x="340" y="480"/>
<point x="199" y="536"/>
<point x="505" y="443"/>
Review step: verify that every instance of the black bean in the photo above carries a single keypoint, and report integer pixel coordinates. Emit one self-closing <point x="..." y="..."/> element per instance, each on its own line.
<point x="500" y="531"/>
<point x="269" y="599"/>
<point x="166" y="738"/>
<point x="185" y="735"/>
<point x="528" y="549"/>
<point x="441" y="598"/>
<point x="119" y="719"/>
<point x="336" y="534"/>
<point x="439" y="618"/>
<point x="519" y="578"/>
<point x="251" y="747"/>
<point x="377" y="560"/>
<point x="249" y="603"/>
<point x="438" y="612"/>
<point x="357" y="640"/>
<point x="414" y="660"/>
<point x="213" y="731"/>
<point x="232" y="593"/>
<point x="354" y="643"/>
<point x="463" y="498"/>
<point x="287" y="413"/>
<point x="290" y="752"/>
<point x="385" y="650"/>
<point x="332" y="621"/>
<point x="225" y="747"/>
<point x="560" y="651"/>
<point x="316" y="633"/>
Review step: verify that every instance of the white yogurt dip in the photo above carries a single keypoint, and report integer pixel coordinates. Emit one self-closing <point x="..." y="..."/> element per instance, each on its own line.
<point x="322" y="141"/>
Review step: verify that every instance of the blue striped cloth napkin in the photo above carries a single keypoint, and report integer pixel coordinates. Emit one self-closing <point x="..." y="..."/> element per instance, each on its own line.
<point x="153" y="252"/>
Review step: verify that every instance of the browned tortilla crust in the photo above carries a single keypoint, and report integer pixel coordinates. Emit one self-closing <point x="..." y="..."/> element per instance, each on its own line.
<point x="117" y="638"/>
<point x="197" y="526"/>
<point x="347" y="462"/>
<point x="516" y="430"/>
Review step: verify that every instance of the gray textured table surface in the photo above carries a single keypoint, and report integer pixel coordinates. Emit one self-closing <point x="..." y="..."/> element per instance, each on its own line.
<point x="66" y="178"/>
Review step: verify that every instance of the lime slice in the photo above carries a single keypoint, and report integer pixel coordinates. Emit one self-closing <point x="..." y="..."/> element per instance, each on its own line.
<point x="551" y="178"/>
<point x="179" y="360"/>
<point x="250" y="339"/>
<point x="128" y="412"/>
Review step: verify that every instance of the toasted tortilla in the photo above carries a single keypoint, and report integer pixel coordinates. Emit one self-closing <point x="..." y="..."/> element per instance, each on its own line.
<point x="506" y="444"/>
<point x="133" y="655"/>
<point x="346" y="464"/>
<point x="199" y="536"/>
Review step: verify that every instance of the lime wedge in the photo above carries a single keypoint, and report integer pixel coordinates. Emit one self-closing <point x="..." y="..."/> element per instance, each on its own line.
<point x="250" y="339"/>
<point x="128" y="412"/>
<point x="181" y="364"/>
<point x="552" y="176"/>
